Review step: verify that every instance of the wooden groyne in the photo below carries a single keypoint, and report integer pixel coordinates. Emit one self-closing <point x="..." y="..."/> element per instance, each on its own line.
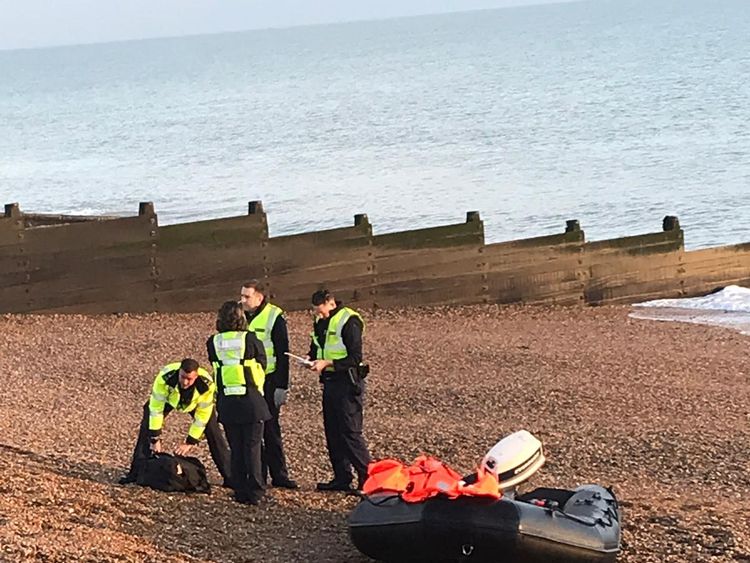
<point x="104" y="264"/>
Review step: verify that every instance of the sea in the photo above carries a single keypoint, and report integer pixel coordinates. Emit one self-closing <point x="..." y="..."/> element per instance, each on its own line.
<point x="728" y="307"/>
<point x="615" y="113"/>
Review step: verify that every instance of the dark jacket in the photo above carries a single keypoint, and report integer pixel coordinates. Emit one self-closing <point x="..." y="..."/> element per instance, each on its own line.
<point x="351" y="334"/>
<point x="241" y="409"/>
<point x="279" y="378"/>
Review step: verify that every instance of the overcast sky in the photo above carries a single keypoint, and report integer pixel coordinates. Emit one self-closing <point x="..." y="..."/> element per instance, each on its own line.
<point x="36" y="23"/>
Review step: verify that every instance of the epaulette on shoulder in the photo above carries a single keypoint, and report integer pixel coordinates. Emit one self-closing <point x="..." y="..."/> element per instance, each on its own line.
<point x="172" y="378"/>
<point x="202" y="384"/>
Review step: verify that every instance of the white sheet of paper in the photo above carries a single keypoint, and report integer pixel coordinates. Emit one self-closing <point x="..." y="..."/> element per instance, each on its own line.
<point x="300" y="359"/>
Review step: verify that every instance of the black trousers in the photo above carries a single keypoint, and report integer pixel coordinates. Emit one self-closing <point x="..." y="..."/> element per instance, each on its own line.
<point x="245" y="447"/>
<point x="217" y="445"/>
<point x="272" y="456"/>
<point x="342" y="421"/>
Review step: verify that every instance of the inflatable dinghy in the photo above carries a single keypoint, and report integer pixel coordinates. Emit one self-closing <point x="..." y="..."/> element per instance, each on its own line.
<point x="542" y="526"/>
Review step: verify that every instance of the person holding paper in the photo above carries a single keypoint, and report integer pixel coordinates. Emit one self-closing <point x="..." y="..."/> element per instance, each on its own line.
<point x="336" y="355"/>
<point x="267" y="322"/>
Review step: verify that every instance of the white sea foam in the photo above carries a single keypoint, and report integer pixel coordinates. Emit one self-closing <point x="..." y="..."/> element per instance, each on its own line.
<point x="729" y="308"/>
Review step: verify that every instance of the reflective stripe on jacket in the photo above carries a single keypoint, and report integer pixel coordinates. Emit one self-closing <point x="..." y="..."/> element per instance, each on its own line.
<point x="262" y="326"/>
<point x="334" y="347"/>
<point x="231" y="365"/>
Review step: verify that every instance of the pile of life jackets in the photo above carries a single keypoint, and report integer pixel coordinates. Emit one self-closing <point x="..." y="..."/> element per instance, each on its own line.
<point x="426" y="477"/>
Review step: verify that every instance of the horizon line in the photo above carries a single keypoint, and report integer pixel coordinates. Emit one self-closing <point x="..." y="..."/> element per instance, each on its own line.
<point x="534" y="4"/>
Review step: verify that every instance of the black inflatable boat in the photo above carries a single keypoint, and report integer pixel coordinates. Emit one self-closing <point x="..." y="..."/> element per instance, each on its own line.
<point x="545" y="525"/>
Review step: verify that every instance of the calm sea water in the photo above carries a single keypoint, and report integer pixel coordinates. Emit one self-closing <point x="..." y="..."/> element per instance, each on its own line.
<point x="612" y="112"/>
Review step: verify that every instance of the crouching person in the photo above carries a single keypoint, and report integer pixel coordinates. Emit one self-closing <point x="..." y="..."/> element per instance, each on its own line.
<point x="183" y="387"/>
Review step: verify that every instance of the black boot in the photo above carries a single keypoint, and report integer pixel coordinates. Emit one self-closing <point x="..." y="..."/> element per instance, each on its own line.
<point x="334" y="485"/>
<point x="127" y="479"/>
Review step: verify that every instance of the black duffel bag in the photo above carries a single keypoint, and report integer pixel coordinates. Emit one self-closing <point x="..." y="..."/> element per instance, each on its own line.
<point x="170" y="473"/>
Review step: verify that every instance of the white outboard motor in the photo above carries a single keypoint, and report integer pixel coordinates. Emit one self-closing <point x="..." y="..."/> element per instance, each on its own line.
<point x="514" y="459"/>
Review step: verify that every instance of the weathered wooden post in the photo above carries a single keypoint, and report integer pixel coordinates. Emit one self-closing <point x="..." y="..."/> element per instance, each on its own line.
<point x="146" y="208"/>
<point x="670" y="223"/>
<point x="12" y="210"/>
<point x="361" y="220"/>
<point x="254" y="207"/>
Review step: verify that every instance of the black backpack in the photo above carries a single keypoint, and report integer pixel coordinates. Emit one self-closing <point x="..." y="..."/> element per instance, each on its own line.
<point x="166" y="472"/>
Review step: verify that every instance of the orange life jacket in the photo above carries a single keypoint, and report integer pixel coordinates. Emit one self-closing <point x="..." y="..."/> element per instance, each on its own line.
<point x="387" y="475"/>
<point x="426" y="477"/>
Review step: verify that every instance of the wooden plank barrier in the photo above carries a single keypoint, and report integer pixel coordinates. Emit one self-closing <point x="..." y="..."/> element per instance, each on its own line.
<point x="340" y="260"/>
<point x="437" y="265"/>
<point x="635" y="268"/>
<point x="708" y="269"/>
<point x="13" y="264"/>
<point x="82" y="264"/>
<point x="546" y="269"/>
<point x="204" y="263"/>
<point x="89" y="266"/>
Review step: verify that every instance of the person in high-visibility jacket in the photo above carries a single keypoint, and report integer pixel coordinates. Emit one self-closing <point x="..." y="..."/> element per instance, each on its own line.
<point x="183" y="387"/>
<point x="336" y="354"/>
<point x="238" y="359"/>
<point x="267" y="321"/>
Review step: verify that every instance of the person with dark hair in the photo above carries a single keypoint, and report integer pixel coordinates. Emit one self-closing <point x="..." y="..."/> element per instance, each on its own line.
<point x="238" y="359"/>
<point x="184" y="387"/>
<point x="267" y="321"/>
<point x="336" y="352"/>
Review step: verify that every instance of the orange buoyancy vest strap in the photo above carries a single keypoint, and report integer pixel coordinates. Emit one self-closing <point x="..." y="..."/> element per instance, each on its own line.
<point x="426" y="478"/>
<point x="430" y="477"/>
<point x="486" y="485"/>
